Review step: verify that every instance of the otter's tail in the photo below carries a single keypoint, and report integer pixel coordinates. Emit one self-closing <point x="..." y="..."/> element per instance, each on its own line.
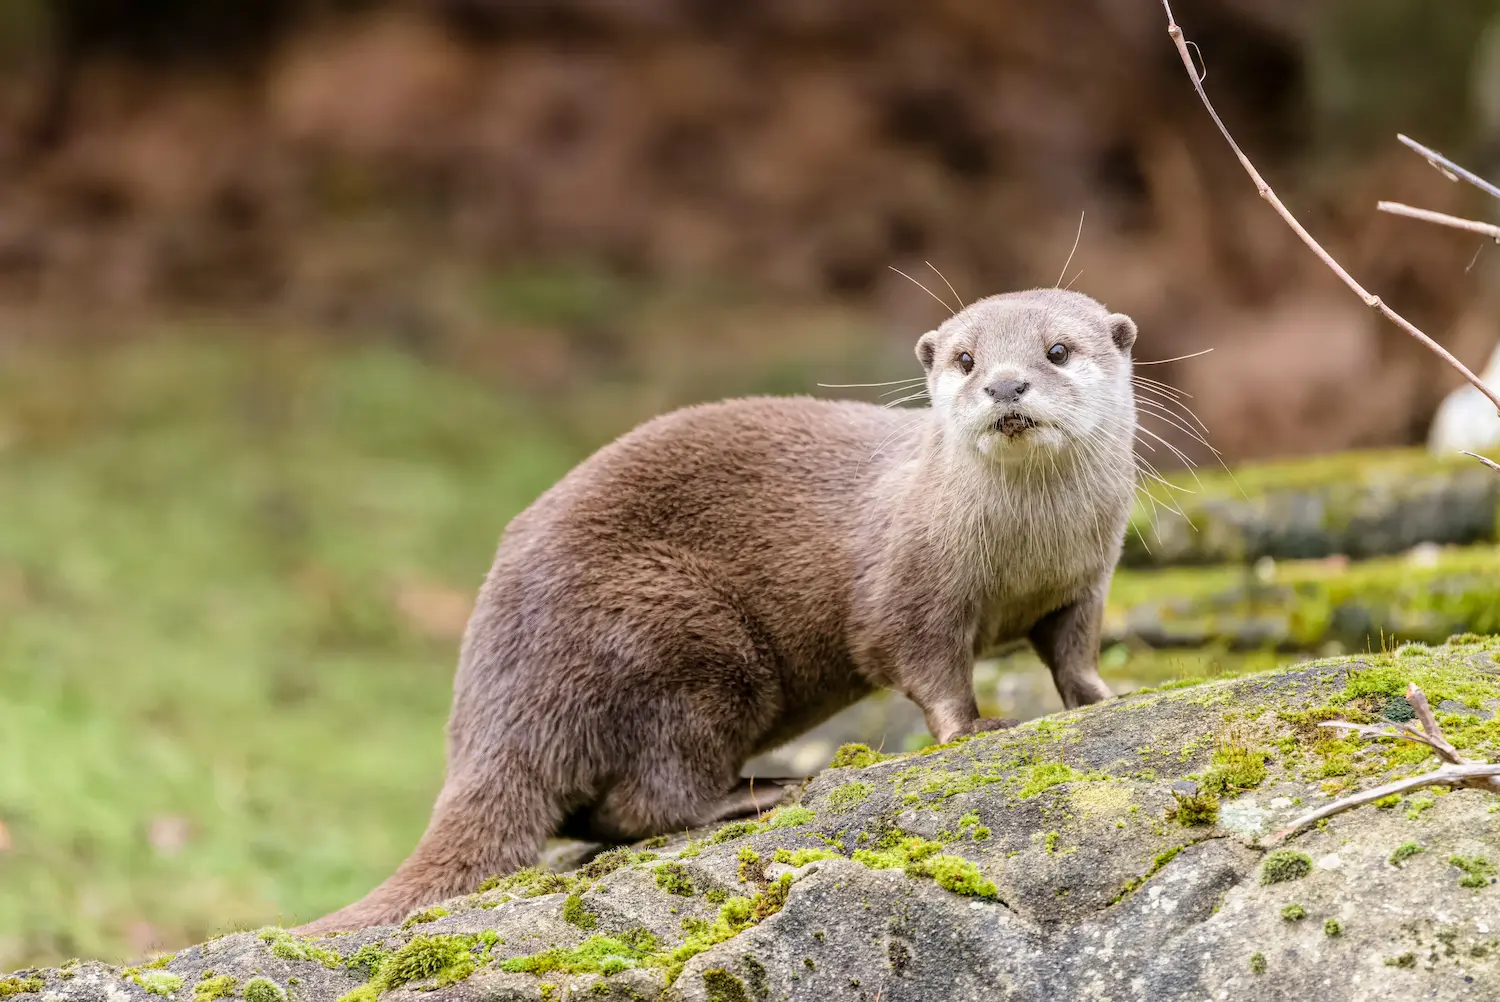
<point x="475" y="832"/>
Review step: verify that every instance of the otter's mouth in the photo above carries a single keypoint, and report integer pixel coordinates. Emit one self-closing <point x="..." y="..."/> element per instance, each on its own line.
<point x="1013" y="424"/>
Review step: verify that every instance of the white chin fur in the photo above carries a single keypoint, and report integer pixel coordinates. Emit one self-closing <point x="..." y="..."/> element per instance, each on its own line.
<point x="1041" y="439"/>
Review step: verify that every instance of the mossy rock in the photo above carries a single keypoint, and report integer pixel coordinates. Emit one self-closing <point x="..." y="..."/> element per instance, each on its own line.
<point x="1041" y="862"/>
<point x="1307" y="605"/>
<point x="1361" y="504"/>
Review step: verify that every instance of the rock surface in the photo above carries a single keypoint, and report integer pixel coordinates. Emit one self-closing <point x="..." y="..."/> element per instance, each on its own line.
<point x="1357" y="505"/>
<point x="1051" y="861"/>
<point x="1428" y="594"/>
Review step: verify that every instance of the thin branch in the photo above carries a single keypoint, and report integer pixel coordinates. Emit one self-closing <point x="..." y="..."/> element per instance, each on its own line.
<point x="1458" y="771"/>
<point x="1487" y="462"/>
<point x="1448" y="167"/>
<point x="1441" y="218"/>
<point x="1418" y="700"/>
<point x="1264" y="189"/>
<point x="1448" y="775"/>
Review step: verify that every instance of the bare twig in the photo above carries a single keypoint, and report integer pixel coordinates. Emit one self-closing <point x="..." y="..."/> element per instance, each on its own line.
<point x="1448" y="167"/>
<point x="1474" y="774"/>
<point x="1487" y="462"/>
<point x="1264" y="189"/>
<point x="1418" y="700"/>
<point x="1441" y="218"/>
<point x="1457" y="770"/>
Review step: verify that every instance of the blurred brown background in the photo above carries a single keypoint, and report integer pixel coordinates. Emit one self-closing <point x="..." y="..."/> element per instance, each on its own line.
<point x="345" y="165"/>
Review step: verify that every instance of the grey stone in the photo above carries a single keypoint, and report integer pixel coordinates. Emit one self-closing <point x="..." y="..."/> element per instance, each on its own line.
<point x="1077" y="885"/>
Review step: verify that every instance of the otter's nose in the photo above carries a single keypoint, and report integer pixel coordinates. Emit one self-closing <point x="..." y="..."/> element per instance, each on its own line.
<point x="1007" y="391"/>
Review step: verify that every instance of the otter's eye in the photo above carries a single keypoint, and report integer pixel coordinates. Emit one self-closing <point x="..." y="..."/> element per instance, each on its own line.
<point x="966" y="361"/>
<point x="1058" y="354"/>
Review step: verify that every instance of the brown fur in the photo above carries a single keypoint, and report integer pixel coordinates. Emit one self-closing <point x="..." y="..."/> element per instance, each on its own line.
<point x="724" y="577"/>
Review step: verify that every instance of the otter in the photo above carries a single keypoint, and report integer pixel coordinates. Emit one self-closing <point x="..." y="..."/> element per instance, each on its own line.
<point x="726" y="576"/>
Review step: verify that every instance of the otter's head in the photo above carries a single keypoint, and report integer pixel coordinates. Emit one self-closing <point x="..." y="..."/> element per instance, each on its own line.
<point x="1027" y="372"/>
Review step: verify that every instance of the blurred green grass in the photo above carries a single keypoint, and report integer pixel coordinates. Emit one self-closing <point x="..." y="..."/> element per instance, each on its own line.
<point x="232" y="577"/>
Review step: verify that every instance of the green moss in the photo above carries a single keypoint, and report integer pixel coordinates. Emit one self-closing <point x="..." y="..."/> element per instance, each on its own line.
<point x="722" y="986"/>
<point x="426" y="915"/>
<point x="606" y="863"/>
<point x="788" y="817"/>
<point x="369" y="957"/>
<point x="1257" y="963"/>
<point x="673" y="878"/>
<point x="843" y="798"/>
<point x="730" y="832"/>
<point x="1234" y="768"/>
<point x="770" y="901"/>
<point x="1049" y="843"/>
<point x="1439" y="679"/>
<point x="956" y="874"/>
<point x="574" y="913"/>
<point x="1478" y="871"/>
<point x="1405" y="851"/>
<point x="1134" y="884"/>
<point x="801" y="857"/>
<point x="1294" y="913"/>
<point x="751" y="868"/>
<point x="20" y="986"/>
<point x="897" y="851"/>
<point x="595" y="955"/>
<point x="1283" y="865"/>
<point x="1386" y="803"/>
<point x="444" y="957"/>
<point x="534" y="881"/>
<point x="919" y="857"/>
<point x="736" y="915"/>
<point x="1407" y="959"/>
<point x="158" y="982"/>
<point x="211" y="987"/>
<point x="1043" y="777"/>
<point x="1198" y="809"/>
<point x="1417" y="805"/>
<point x="1333" y="927"/>
<point x="856" y="757"/>
<point x="288" y="947"/>
<point x="364" y="993"/>
<point x="262" y="989"/>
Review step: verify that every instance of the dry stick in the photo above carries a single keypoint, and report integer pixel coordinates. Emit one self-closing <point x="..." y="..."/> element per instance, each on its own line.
<point x="1441" y="218"/>
<point x="1448" y="167"/>
<point x="1456" y="770"/>
<point x="1264" y="189"/>
<point x="1487" y="462"/>
<point x="1448" y="775"/>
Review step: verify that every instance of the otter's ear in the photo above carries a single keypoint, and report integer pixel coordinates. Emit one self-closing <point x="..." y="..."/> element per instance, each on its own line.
<point x="927" y="350"/>
<point x="1121" y="330"/>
